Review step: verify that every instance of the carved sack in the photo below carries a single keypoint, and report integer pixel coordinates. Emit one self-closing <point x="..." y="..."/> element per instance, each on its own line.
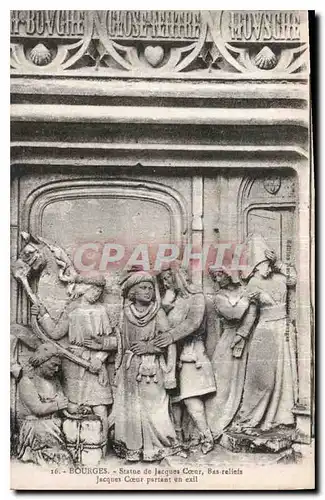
<point x="84" y="438"/>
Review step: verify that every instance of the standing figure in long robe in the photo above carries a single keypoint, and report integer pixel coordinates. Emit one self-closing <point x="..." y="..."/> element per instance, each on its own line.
<point x="270" y="384"/>
<point x="143" y="427"/>
<point x="237" y="311"/>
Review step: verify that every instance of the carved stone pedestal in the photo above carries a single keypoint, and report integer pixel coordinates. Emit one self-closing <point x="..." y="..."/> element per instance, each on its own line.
<point x="266" y="442"/>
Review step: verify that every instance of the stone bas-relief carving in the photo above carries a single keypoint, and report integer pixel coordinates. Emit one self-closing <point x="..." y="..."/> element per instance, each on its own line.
<point x="197" y="43"/>
<point x="186" y="309"/>
<point x="40" y="438"/>
<point x="143" y="426"/>
<point x="162" y="250"/>
<point x="258" y="384"/>
<point x="165" y="387"/>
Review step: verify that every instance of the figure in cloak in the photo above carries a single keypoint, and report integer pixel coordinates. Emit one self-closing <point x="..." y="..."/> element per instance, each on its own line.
<point x="270" y="384"/>
<point x="40" y="438"/>
<point x="187" y="315"/>
<point x="143" y="427"/>
<point x="237" y="310"/>
<point x="85" y="328"/>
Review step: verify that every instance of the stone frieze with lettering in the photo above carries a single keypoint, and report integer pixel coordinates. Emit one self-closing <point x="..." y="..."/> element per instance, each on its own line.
<point x="202" y="44"/>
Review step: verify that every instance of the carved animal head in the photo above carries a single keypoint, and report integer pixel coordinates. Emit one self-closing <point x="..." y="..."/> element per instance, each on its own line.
<point x="32" y="253"/>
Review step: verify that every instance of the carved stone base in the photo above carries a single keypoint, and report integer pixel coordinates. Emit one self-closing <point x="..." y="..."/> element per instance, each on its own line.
<point x="221" y="456"/>
<point x="303" y="420"/>
<point x="266" y="442"/>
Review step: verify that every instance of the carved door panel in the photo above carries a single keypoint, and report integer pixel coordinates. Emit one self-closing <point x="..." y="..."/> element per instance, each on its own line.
<point x="277" y="226"/>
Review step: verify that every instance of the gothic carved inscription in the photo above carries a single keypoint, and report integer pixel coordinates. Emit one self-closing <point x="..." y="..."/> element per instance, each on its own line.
<point x="159" y="43"/>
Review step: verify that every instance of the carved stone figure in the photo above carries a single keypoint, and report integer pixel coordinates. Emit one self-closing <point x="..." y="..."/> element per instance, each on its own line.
<point x="187" y="313"/>
<point x="76" y="323"/>
<point x="161" y="356"/>
<point x="237" y="311"/>
<point x="19" y="334"/>
<point x="269" y="390"/>
<point x="143" y="427"/>
<point x="85" y="325"/>
<point x="40" y="438"/>
<point x="31" y="262"/>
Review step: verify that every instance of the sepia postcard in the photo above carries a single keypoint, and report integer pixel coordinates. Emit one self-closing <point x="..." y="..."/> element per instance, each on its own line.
<point x="162" y="250"/>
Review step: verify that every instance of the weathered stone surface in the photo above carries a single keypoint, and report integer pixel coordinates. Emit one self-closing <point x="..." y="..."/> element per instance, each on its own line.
<point x="173" y="44"/>
<point x="162" y="126"/>
<point x="220" y="456"/>
<point x="271" y="442"/>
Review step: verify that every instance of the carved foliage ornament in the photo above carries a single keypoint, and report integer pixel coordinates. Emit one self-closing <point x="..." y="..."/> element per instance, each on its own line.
<point x="154" y="43"/>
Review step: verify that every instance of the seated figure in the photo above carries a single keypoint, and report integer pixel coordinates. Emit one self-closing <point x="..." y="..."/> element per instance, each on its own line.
<point x="40" y="437"/>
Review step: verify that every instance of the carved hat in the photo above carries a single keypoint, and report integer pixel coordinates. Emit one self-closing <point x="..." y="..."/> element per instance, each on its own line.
<point x="255" y="248"/>
<point x="133" y="278"/>
<point x="43" y="353"/>
<point x="91" y="280"/>
<point x="230" y="271"/>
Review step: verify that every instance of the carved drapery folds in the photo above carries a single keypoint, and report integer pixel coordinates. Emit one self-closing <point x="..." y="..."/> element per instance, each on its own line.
<point x="160" y="43"/>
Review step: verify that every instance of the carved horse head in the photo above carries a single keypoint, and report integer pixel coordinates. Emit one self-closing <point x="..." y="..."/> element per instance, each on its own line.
<point x="44" y="270"/>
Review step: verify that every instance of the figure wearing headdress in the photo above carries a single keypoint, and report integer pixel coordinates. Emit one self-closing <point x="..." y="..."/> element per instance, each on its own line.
<point x="84" y="327"/>
<point x="40" y="438"/>
<point x="270" y="383"/>
<point x="186" y="308"/>
<point x="143" y="428"/>
<point x="237" y="311"/>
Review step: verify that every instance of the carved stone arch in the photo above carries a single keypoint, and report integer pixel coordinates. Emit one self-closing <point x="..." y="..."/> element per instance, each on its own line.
<point x="243" y="194"/>
<point x="157" y="193"/>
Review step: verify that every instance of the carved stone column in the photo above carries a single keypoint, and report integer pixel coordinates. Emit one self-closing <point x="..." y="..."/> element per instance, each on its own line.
<point x="304" y="317"/>
<point x="197" y="227"/>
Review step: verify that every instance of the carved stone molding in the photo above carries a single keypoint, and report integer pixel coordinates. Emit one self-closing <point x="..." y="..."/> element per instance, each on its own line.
<point x="199" y="44"/>
<point x="154" y="115"/>
<point x="246" y="202"/>
<point x="52" y="192"/>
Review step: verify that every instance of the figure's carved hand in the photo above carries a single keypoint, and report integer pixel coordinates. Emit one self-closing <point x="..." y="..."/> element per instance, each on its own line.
<point x="95" y="365"/>
<point x="35" y="309"/>
<point x="38" y="310"/>
<point x="277" y="265"/>
<point x="139" y="348"/>
<point x="62" y="402"/>
<point x="93" y="344"/>
<point x="73" y="408"/>
<point x="270" y="255"/>
<point x="77" y="343"/>
<point x="163" y="340"/>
